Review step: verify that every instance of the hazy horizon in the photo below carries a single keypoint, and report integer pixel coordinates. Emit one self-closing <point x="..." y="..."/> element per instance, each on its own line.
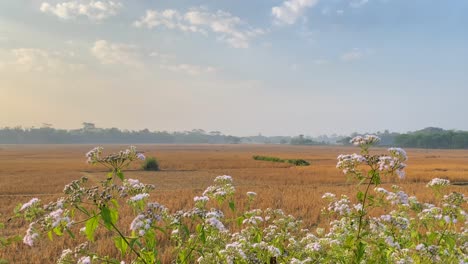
<point x="272" y="67"/>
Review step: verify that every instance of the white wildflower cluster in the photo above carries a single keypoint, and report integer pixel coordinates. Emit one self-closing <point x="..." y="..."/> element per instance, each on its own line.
<point x="94" y="155"/>
<point x="251" y="195"/>
<point x="221" y="189"/>
<point x="29" y="204"/>
<point x="365" y="141"/>
<point x="31" y="235"/>
<point x="145" y="221"/>
<point x="215" y="223"/>
<point x="137" y="198"/>
<point x="342" y="206"/>
<point x="437" y="182"/>
<point x="134" y="186"/>
<point x="115" y="160"/>
<point x="58" y="218"/>
<point x="398" y="153"/>
<point x="201" y="201"/>
<point x="395" y="198"/>
<point x="394" y="163"/>
<point x="328" y="196"/>
<point x="84" y="260"/>
<point x="349" y="163"/>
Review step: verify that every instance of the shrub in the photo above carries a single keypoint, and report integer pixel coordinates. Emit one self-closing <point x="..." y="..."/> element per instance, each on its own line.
<point x="296" y="162"/>
<point x="150" y="164"/>
<point x="266" y="158"/>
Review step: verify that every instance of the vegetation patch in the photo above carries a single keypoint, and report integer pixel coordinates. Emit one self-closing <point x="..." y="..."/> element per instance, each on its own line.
<point x="295" y="162"/>
<point x="150" y="164"/>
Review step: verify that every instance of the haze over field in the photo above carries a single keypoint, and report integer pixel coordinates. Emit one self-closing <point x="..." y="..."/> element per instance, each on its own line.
<point x="242" y="67"/>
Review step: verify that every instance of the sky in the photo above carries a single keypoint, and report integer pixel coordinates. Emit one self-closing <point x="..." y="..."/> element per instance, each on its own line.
<point x="242" y="67"/>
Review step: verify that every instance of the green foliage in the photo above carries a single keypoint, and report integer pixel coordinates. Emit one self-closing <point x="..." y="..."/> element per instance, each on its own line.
<point x="150" y="164"/>
<point x="267" y="158"/>
<point x="295" y="162"/>
<point x="298" y="162"/>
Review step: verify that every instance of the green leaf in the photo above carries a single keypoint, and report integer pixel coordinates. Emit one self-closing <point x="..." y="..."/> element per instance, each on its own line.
<point x="121" y="245"/>
<point x="360" y="250"/>
<point x="70" y="233"/>
<point x="110" y="175"/>
<point x="109" y="216"/>
<point x="49" y="234"/>
<point x="360" y="196"/>
<point x="232" y="205"/>
<point x="120" y="175"/>
<point x="91" y="226"/>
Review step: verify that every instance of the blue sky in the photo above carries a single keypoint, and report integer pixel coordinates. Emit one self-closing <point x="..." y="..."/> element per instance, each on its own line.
<point x="242" y="67"/>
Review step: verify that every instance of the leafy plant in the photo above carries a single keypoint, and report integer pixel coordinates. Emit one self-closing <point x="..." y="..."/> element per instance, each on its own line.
<point x="150" y="164"/>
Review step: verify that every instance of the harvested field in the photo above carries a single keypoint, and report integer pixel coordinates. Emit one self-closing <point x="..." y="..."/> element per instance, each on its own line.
<point x="186" y="170"/>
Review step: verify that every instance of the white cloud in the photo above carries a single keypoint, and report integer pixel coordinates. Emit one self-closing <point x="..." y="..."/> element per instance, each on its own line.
<point x="116" y="53"/>
<point x="230" y="29"/>
<point x="189" y="69"/>
<point x="38" y="60"/>
<point x="94" y="10"/>
<point x="352" y="55"/>
<point x="358" y="3"/>
<point x="291" y="10"/>
<point x="123" y="54"/>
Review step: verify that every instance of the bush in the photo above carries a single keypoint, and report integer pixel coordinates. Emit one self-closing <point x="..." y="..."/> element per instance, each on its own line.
<point x="298" y="162"/>
<point x="150" y="164"/>
<point x="266" y="158"/>
<point x="295" y="162"/>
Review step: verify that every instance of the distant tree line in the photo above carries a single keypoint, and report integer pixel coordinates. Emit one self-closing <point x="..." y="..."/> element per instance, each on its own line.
<point x="430" y="137"/>
<point x="90" y="134"/>
<point x="434" y="138"/>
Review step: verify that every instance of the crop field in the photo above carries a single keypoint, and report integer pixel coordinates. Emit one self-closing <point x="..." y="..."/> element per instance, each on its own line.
<point x="41" y="171"/>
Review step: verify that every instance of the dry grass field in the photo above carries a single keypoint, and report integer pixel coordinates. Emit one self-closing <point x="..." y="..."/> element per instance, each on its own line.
<point x="42" y="171"/>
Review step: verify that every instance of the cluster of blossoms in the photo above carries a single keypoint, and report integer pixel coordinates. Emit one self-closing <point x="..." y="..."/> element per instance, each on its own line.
<point x="349" y="163"/>
<point x="115" y="160"/>
<point x="365" y="141"/>
<point x="221" y="189"/>
<point x="146" y="220"/>
<point x="437" y="182"/>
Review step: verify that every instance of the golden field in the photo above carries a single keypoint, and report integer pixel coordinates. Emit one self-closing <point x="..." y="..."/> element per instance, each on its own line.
<point x="186" y="170"/>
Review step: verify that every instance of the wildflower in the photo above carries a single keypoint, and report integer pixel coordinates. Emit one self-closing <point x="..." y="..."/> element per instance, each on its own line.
<point x="66" y="256"/>
<point x="437" y="182"/>
<point x="140" y="156"/>
<point x="31" y="236"/>
<point x="398" y="153"/>
<point x="31" y="202"/>
<point x="84" y="260"/>
<point x="138" y="197"/>
<point x="55" y="218"/>
<point x="420" y="247"/>
<point x="328" y="195"/>
<point x="215" y="223"/>
<point x="366" y="140"/>
<point x="251" y="195"/>
<point x="141" y="224"/>
<point x="349" y="163"/>
<point x="201" y="199"/>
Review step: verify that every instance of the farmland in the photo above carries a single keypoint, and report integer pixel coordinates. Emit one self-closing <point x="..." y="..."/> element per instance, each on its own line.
<point x="28" y="171"/>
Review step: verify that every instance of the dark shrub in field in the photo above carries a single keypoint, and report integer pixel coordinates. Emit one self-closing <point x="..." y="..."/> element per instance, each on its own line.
<point x="150" y="164"/>
<point x="295" y="162"/>
<point x="298" y="162"/>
